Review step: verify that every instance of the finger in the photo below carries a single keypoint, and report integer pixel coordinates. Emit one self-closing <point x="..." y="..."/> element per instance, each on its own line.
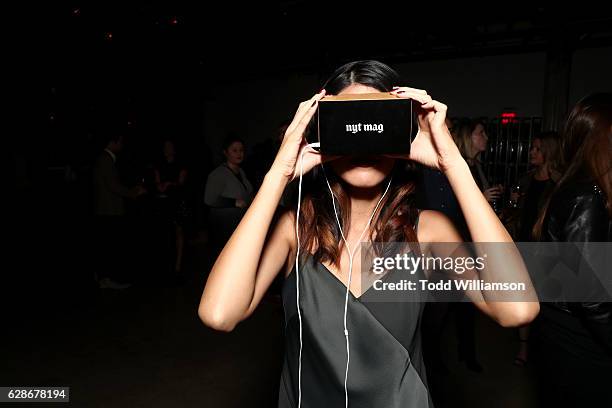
<point x="401" y="92"/>
<point x="428" y="105"/>
<point x="408" y="89"/>
<point x="439" y="106"/>
<point x="302" y="110"/>
<point x="425" y="112"/>
<point x="304" y="106"/>
<point x="435" y="105"/>
<point x="439" y="109"/>
<point x="310" y="149"/>
<point x="311" y="159"/>
<point x="305" y="120"/>
<point x="422" y="98"/>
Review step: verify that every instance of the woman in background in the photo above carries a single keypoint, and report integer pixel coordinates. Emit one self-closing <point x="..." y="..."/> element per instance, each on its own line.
<point x="471" y="139"/>
<point x="536" y="184"/>
<point x="228" y="192"/>
<point x="574" y="340"/>
<point x="534" y="188"/>
<point x="170" y="178"/>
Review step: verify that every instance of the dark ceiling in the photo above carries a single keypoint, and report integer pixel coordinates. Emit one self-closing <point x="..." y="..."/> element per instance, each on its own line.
<point x="168" y="57"/>
<point x="225" y="39"/>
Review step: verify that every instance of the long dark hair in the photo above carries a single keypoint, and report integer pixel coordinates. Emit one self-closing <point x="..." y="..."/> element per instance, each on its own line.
<point x="587" y="147"/>
<point x="370" y="73"/>
<point x="396" y="216"/>
<point x="462" y="134"/>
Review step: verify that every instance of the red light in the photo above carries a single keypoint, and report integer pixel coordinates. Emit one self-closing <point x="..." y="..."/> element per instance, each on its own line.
<point x="508" y="117"/>
<point x="174" y="21"/>
<point x="108" y="35"/>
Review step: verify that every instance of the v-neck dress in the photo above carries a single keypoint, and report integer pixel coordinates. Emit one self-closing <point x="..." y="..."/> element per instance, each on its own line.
<point x="386" y="362"/>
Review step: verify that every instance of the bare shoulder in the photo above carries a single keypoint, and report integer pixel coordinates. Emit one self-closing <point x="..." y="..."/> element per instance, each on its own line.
<point x="435" y="226"/>
<point x="285" y="225"/>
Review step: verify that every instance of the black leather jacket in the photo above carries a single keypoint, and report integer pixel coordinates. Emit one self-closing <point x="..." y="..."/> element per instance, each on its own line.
<point x="577" y="213"/>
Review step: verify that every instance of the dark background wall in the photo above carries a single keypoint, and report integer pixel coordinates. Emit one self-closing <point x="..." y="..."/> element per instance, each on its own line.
<point x="193" y="72"/>
<point x="591" y="72"/>
<point x="471" y="87"/>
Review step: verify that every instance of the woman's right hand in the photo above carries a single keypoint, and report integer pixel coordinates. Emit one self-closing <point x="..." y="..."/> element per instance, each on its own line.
<point x="286" y="162"/>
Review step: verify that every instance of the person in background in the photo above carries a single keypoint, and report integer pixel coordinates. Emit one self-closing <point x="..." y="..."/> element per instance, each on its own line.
<point x="261" y="156"/>
<point x="228" y="192"/>
<point x="438" y="195"/>
<point x="573" y="341"/>
<point x="534" y="187"/>
<point x="471" y="138"/>
<point x="170" y="178"/>
<point x="109" y="210"/>
<point x="536" y="184"/>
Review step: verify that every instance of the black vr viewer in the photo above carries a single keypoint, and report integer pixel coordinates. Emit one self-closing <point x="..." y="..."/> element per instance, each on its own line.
<point x="363" y="124"/>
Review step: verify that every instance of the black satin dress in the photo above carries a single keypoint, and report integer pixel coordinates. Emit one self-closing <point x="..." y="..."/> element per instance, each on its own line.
<point x="386" y="365"/>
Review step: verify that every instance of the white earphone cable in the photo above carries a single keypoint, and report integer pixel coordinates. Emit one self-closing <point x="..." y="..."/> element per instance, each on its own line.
<point x="351" y="255"/>
<point x="297" y="267"/>
<point x="350" y="274"/>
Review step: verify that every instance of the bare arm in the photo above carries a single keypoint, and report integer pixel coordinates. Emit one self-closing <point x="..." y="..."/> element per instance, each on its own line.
<point x="248" y="263"/>
<point x="434" y="147"/>
<point x="503" y="264"/>
<point x="251" y="259"/>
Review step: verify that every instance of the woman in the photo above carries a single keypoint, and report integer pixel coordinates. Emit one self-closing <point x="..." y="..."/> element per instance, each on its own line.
<point x="228" y="192"/>
<point x="534" y="187"/>
<point x="471" y="138"/>
<point x="574" y="340"/>
<point x="386" y="366"/>
<point x="170" y="178"/>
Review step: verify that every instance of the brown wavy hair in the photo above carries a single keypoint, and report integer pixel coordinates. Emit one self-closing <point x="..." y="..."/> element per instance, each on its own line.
<point x="551" y="149"/>
<point x="393" y="222"/>
<point x="396" y="216"/>
<point x="586" y="145"/>
<point x="462" y="135"/>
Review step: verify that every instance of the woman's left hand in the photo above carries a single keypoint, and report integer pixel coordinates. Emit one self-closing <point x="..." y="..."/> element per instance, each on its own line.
<point x="433" y="145"/>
